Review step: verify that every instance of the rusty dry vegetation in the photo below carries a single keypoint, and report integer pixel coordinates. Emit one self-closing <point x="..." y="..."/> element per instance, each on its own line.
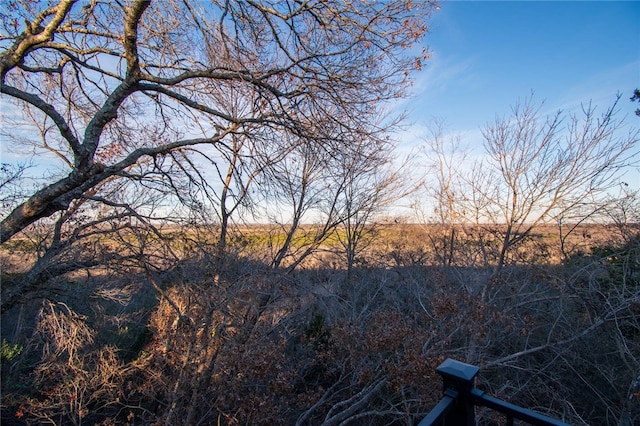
<point x="320" y="346"/>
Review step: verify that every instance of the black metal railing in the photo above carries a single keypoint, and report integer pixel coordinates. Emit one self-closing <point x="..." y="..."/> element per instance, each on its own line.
<point x="457" y="406"/>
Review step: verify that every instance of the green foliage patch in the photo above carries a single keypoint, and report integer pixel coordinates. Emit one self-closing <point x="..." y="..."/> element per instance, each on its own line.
<point x="9" y="351"/>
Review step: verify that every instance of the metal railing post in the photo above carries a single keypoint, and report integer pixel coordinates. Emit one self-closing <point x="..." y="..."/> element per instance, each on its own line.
<point x="457" y="406"/>
<point x="458" y="377"/>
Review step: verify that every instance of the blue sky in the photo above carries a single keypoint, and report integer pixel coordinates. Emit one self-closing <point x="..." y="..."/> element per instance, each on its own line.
<point x="488" y="54"/>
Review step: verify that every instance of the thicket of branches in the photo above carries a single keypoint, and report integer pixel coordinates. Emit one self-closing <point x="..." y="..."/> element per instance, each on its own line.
<point x="138" y="294"/>
<point x="182" y="113"/>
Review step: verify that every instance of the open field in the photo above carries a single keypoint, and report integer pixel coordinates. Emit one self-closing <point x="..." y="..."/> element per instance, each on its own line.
<point x="19" y="253"/>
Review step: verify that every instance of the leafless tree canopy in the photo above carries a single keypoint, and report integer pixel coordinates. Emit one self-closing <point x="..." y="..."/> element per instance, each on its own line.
<point x="536" y="170"/>
<point x="115" y="89"/>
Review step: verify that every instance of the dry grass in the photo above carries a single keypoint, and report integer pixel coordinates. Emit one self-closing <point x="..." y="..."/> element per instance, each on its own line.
<point x="249" y="345"/>
<point x="18" y="255"/>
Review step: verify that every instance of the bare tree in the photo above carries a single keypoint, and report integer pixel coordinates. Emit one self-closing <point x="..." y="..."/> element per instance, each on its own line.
<point x="556" y="169"/>
<point x="445" y="159"/>
<point x="143" y="104"/>
<point x="297" y="189"/>
<point x="117" y="84"/>
<point x="539" y="169"/>
<point x="371" y="184"/>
